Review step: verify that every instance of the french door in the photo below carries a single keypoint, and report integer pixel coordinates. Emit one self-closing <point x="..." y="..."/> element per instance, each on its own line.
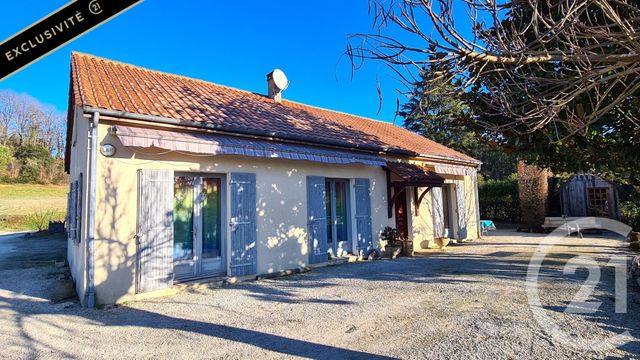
<point x="337" y="207"/>
<point x="198" y="234"/>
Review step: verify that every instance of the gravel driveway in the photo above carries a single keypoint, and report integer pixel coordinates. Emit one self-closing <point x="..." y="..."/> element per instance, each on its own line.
<point x="466" y="303"/>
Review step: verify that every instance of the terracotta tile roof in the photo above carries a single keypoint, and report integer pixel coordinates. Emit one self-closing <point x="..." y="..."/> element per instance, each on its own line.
<point x="102" y="83"/>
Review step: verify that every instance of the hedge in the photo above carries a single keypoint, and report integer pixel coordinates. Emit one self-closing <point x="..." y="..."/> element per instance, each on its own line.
<point x="499" y="200"/>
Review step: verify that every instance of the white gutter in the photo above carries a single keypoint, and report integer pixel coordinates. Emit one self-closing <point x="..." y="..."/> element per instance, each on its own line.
<point x="452" y="159"/>
<point x="91" y="210"/>
<point x="240" y="131"/>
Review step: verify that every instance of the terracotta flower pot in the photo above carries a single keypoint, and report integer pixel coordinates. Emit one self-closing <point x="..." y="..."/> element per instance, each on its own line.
<point x="442" y="242"/>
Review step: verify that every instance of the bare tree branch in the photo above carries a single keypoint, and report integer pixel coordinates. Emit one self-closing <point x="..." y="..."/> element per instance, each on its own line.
<point x="537" y="62"/>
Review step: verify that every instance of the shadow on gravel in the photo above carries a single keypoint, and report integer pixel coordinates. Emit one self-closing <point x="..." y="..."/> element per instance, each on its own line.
<point x="453" y="268"/>
<point x="127" y="316"/>
<point x="18" y="251"/>
<point x="285" y="292"/>
<point x="603" y="299"/>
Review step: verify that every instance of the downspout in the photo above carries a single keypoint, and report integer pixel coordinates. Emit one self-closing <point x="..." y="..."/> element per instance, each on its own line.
<point x="475" y="185"/>
<point x="91" y="209"/>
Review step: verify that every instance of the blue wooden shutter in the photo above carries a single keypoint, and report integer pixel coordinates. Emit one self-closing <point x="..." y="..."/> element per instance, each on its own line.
<point x="317" y="219"/>
<point x="244" y="259"/>
<point x="155" y="230"/>
<point x="437" y="212"/>
<point x="78" y="209"/>
<point x="462" y="211"/>
<point x="71" y="211"/>
<point x="364" y="232"/>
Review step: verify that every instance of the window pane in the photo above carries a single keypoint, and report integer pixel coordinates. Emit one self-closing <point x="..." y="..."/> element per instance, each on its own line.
<point x="211" y="218"/>
<point x="598" y="204"/>
<point x="183" y="218"/>
<point x="341" y="211"/>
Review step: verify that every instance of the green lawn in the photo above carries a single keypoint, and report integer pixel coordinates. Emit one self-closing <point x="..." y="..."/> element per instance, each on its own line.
<point x="20" y="202"/>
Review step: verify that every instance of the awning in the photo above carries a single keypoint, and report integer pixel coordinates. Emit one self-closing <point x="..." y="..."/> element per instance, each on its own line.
<point x="414" y="175"/>
<point x="214" y="144"/>
<point x="410" y="175"/>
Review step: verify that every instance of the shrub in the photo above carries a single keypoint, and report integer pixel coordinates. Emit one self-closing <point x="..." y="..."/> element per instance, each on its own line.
<point x="391" y="236"/>
<point x="36" y="152"/>
<point x="30" y="172"/>
<point x="39" y="220"/>
<point x="499" y="199"/>
<point x="533" y="191"/>
<point x="630" y="207"/>
<point x="6" y="158"/>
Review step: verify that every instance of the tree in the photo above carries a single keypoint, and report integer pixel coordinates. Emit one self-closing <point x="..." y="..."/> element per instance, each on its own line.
<point x="31" y="140"/>
<point x="437" y="110"/>
<point x="554" y="80"/>
<point x="8" y="102"/>
<point x="592" y="42"/>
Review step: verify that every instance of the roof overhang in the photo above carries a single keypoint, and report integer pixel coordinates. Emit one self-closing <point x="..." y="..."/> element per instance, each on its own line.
<point x="269" y="135"/>
<point x="414" y="175"/>
<point x="409" y="175"/>
<point x="215" y="144"/>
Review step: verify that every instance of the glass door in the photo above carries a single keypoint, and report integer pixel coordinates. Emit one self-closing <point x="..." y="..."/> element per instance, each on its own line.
<point x="337" y="207"/>
<point x="183" y="226"/>
<point x="197" y="228"/>
<point x="211" y="226"/>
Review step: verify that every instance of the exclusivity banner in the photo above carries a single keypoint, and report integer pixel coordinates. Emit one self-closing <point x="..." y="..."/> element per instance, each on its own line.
<point x="55" y="30"/>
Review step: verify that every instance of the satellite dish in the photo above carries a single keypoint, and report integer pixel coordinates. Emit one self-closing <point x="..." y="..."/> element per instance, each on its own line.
<point x="280" y="79"/>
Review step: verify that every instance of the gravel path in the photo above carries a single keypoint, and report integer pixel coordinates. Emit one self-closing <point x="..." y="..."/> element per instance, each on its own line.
<point x="466" y="303"/>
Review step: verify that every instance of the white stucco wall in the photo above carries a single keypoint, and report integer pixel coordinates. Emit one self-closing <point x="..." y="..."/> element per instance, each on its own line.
<point x="281" y="207"/>
<point x="78" y="164"/>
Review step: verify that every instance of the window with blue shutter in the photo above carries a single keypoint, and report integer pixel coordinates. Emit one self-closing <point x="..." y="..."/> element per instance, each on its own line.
<point x="74" y="210"/>
<point x="364" y="231"/>
<point x="71" y="211"/>
<point x="78" y="209"/>
<point x="317" y="219"/>
<point x="244" y="259"/>
<point x="154" y="236"/>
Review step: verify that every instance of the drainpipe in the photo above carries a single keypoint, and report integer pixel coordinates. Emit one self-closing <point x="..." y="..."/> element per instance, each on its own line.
<point x="91" y="209"/>
<point x="475" y="185"/>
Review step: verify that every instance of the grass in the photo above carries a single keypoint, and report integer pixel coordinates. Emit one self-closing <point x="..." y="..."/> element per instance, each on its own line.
<point x="18" y="201"/>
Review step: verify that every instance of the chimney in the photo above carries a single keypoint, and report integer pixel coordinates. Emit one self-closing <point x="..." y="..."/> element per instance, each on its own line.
<point x="277" y="82"/>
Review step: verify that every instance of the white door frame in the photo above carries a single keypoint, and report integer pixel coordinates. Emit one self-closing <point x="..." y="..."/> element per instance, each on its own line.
<point x="198" y="263"/>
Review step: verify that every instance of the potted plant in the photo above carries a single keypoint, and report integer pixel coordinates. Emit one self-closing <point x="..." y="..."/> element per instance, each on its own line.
<point x="393" y="243"/>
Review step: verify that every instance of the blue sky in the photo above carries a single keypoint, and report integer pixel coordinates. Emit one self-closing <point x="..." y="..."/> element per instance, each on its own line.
<point x="234" y="43"/>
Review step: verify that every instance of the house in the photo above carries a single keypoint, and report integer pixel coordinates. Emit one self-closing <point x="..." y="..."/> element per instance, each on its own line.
<point x="583" y="195"/>
<point x="175" y="179"/>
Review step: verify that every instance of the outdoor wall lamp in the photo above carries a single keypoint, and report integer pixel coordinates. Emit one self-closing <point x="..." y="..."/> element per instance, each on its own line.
<point x="107" y="150"/>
